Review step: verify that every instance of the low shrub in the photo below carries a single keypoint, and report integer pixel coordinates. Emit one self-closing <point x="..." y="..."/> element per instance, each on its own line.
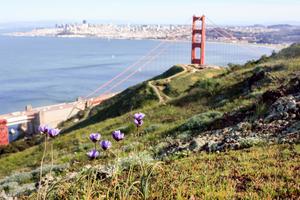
<point x="209" y="86"/>
<point x="250" y="142"/>
<point x="152" y="128"/>
<point x="200" y="121"/>
<point x="170" y="90"/>
<point x="22" y="177"/>
<point x="127" y="129"/>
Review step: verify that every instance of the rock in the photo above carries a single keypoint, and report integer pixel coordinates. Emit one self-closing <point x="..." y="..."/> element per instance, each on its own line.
<point x="285" y="115"/>
<point x="231" y="146"/>
<point x="236" y="133"/>
<point x="105" y="171"/>
<point x="293" y="116"/>
<point x="229" y="140"/>
<point x="173" y="146"/>
<point x="294" y="127"/>
<point x="252" y="134"/>
<point x="211" y="146"/>
<point x="244" y="126"/>
<point x="290" y="138"/>
<point x="197" y="144"/>
<point x="281" y="108"/>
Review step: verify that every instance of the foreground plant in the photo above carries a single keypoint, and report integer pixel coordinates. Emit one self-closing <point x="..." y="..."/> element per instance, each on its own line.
<point x="138" y="121"/>
<point x="48" y="133"/>
<point x="93" y="154"/>
<point x="104" y="144"/>
<point x="94" y="137"/>
<point x="53" y="132"/>
<point x="118" y="135"/>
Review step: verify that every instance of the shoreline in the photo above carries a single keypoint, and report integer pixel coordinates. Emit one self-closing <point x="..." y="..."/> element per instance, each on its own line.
<point x="265" y="45"/>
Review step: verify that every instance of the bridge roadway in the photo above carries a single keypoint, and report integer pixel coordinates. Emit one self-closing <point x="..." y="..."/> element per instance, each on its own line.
<point x="51" y="115"/>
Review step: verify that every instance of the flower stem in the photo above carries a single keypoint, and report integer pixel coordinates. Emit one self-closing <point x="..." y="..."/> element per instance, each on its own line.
<point x="52" y="160"/>
<point x="46" y="187"/>
<point x="113" y="153"/>
<point x="42" y="162"/>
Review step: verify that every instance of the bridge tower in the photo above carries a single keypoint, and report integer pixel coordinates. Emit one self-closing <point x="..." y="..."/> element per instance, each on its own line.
<point x="198" y="40"/>
<point x="3" y="133"/>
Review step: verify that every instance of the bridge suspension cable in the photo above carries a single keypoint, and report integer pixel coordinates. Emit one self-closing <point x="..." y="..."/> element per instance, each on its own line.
<point x="124" y="71"/>
<point x="136" y="71"/>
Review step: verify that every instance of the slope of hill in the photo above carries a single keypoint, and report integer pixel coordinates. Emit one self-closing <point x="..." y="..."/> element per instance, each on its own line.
<point x="195" y="121"/>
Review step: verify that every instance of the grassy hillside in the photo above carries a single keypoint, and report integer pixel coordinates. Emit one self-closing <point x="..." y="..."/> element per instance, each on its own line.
<point x="247" y="174"/>
<point x="195" y="121"/>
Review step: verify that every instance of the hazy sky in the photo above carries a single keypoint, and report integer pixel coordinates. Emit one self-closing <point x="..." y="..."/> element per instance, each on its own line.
<point x="152" y="11"/>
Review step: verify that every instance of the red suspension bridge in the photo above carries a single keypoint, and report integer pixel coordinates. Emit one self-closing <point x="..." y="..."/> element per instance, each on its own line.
<point x="31" y="118"/>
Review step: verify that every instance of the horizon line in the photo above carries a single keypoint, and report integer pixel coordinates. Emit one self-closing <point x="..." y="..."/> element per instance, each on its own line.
<point x="121" y="22"/>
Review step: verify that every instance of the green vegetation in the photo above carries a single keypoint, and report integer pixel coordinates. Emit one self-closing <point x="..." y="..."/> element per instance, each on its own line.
<point x="247" y="174"/>
<point x="291" y="52"/>
<point x="200" y="121"/>
<point x="170" y="72"/>
<point x="198" y="101"/>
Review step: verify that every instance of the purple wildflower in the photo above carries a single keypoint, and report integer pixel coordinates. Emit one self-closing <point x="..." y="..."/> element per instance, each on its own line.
<point x="93" y="154"/>
<point x="105" y="144"/>
<point x="94" y="137"/>
<point x="138" y="123"/>
<point x="138" y="119"/>
<point x="43" y="129"/>
<point x="139" y="116"/>
<point x="53" y="132"/>
<point x="117" y="135"/>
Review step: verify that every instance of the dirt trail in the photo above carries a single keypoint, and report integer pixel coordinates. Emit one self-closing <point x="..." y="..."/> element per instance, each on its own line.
<point x="187" y="70"/>
<point x="158" y="89"/>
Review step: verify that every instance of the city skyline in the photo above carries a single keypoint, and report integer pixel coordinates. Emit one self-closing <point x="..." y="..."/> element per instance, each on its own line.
<point x="166" y="12"/>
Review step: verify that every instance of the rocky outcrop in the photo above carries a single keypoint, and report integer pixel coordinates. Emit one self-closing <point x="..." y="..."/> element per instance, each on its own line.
<point x="280" y="124"/>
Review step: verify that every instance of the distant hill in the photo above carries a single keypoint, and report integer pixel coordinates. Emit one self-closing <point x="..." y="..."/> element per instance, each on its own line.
<point x="280" y="26"/>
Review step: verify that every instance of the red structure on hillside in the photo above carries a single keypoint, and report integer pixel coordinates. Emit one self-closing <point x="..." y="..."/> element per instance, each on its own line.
<point x="198" y="40"/>
<point x="3" y="133"/>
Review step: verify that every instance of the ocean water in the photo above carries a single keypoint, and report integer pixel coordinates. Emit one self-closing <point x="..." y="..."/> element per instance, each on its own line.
<point x="42" y="71"/>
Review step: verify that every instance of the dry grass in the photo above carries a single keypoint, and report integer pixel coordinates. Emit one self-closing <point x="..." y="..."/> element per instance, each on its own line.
<point x="258" y="173"/>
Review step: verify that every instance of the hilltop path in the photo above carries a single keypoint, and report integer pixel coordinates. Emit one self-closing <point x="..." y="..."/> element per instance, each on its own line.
<point x="158" y="89"/>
